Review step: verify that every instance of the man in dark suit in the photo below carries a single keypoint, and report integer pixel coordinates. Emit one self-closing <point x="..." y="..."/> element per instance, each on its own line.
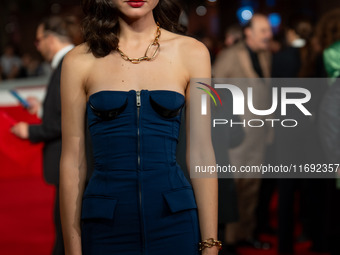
<point x="53" y="42"/>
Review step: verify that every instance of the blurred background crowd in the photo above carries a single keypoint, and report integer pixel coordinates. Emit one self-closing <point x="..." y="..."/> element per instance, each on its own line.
<point x="216" y="23"/>
<point x="246" y="39"/>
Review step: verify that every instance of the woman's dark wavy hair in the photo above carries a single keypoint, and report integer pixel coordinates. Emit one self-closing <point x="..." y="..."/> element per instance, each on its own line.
<point x="100" y="25"/>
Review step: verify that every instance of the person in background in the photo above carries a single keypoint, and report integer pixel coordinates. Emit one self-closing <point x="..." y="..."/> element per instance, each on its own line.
<point x="296" y="58"/>
<point x="299" y="145"/>
<point x="233" y="35"/>
<point x="10" y="63"/>
<point x="225" y="138"/>
<point x="53" y="42"/>
<point x="230" y="138"/>
<point x="275" y="45"/>
<point x="328" y="34"/>
<point x="249" y="58"/>
<point x="329" y="129"/>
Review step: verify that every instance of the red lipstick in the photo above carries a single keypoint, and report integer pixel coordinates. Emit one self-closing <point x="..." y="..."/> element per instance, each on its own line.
<point x="135" y="3"/>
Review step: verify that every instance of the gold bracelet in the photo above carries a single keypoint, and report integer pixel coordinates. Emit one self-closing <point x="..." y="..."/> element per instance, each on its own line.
<point x="210" y="242"/>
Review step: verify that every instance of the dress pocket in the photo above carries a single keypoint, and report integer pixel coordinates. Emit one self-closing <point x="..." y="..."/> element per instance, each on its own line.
<point x="180" y="199"/>
<point x="96" y="207"/>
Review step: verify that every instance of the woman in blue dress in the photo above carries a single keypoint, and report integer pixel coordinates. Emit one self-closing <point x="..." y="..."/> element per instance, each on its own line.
<point x="131" y="80"/>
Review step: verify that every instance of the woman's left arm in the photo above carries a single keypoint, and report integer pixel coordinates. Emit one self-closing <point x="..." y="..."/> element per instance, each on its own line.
<point x="199" y="149"/>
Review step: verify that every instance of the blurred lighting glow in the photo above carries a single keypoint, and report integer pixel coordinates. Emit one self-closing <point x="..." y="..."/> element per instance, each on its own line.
<point x="201" y="10"/>
<point x="274" y="19"/>
<point x="244" y="14"/>
<point x="212" y="1"/>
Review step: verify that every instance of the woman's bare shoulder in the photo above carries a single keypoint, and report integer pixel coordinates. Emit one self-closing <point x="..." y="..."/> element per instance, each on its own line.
<point x="193" y="55"/>
<point x="189" y="49"/>
<point x="185" y="43"/>
<point x="79" y="57"/>
<point x="76" y="67"/>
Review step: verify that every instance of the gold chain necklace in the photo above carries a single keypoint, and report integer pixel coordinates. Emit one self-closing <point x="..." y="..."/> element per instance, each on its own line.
<point x="145" y="57"/>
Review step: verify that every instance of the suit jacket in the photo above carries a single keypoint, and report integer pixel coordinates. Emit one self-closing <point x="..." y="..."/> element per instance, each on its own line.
<point x="286" y="63"/>
<point x="235" y="62"/>
<point x="300" y="144"/>
<point x="49" y="132"/>
<point x="225" y="138"/>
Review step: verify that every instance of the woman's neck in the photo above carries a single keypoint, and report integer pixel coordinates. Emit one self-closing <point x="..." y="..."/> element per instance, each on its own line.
<point x="137" y="30"/>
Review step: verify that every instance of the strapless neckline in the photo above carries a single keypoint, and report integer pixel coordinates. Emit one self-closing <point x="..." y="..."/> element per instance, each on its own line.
<point x="134" y="91"/>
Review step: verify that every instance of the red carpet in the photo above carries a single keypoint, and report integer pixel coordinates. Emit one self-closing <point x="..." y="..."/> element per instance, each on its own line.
<point x="26" y="201"/>
<point x="26" y="216"/>
<point x="18" y="157"/>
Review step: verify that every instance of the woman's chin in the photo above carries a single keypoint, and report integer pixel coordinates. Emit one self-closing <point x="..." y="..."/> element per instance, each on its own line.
<point x="135" y="14"/>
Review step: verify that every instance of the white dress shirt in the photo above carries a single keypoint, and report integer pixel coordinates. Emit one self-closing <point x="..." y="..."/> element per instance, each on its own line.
<point x="59" y="55"/>
<point x="298" y="43"/>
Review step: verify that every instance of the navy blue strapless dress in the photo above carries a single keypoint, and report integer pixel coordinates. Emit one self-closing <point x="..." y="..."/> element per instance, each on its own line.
<point x="138" y="200"/>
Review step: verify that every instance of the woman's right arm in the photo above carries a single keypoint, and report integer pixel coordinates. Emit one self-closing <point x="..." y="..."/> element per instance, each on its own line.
<point x="73" y="160"/>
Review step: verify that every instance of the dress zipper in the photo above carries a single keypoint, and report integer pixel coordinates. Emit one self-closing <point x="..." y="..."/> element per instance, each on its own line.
<point x="138" y="103"/>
